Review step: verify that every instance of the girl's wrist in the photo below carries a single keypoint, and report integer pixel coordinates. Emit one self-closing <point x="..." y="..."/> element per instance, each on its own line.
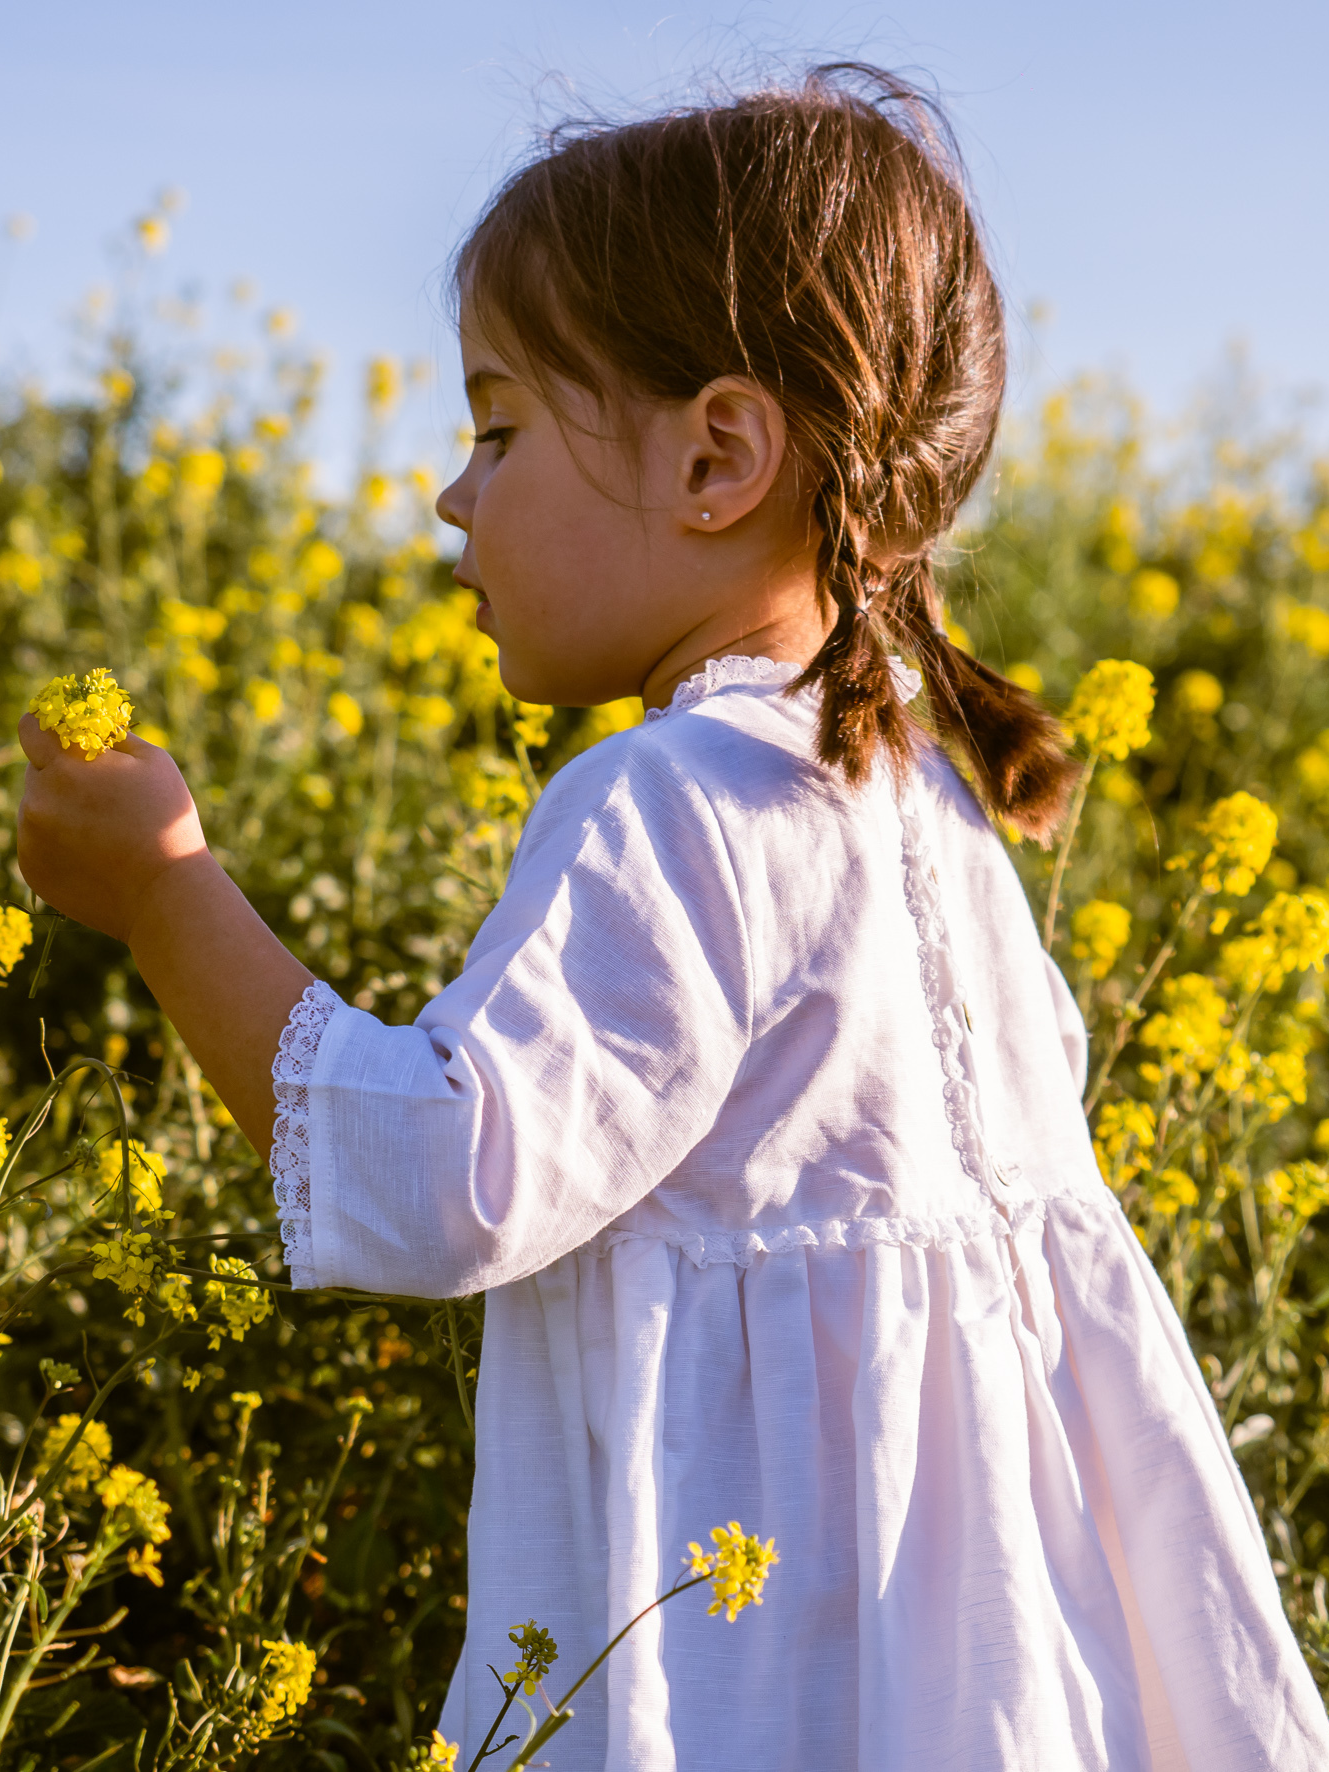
<point x="178" y="893"/>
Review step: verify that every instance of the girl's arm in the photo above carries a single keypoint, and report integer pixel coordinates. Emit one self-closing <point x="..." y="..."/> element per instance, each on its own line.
<point x="116" y="843"/>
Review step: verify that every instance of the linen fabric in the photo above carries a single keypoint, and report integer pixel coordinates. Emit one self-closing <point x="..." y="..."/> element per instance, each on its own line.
<point x="755" y="1113"/>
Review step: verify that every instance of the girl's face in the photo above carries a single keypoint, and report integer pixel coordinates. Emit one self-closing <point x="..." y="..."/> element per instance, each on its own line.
<point x="601" y="566"/>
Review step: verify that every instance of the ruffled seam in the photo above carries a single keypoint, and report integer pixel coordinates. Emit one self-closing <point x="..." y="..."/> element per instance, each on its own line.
<point x="721" y="673"/>
<point x="741" y="1248"/>
<point x="945" y="994"/>
<point x="291" y="1071"/>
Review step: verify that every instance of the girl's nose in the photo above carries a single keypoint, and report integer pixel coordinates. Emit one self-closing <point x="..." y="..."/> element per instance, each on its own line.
<point x="454" y="507"/>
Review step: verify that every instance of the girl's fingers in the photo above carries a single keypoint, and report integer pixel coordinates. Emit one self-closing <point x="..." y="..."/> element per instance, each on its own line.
<point x="40" y="748"/>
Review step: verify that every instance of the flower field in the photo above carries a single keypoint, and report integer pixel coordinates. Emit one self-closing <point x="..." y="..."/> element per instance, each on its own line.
<point x="232" y="1518"/>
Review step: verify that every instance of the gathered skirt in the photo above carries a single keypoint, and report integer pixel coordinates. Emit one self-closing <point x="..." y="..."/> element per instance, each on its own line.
<point x="1012" y="1537"/>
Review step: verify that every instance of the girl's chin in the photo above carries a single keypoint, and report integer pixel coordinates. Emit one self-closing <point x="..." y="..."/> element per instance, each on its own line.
<point x="484" y="617"/>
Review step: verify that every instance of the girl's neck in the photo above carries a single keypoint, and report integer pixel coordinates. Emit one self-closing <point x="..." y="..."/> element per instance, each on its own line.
<point x="792" y="630"/>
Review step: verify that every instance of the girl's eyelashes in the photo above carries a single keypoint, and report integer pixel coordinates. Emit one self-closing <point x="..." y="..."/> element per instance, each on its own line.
<point x="496" y="434"/>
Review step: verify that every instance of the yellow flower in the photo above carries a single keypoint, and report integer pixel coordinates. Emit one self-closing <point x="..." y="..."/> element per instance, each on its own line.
<point x="319" y="565"/>
<point x="265" y="699"/>
<point x="531" y="724"/>
<point x="247" y="1401"/>
<point x="537" y="1653"/>
<point x="1123" y="1138"/>
<point x="378" y="491"/>
<point x="1198" y="692"/>
<point x="118" y="386"/>
<point x="287" y="1673"/>
<point x="364" y="624"/>
<point x="1154" y="594"/>
<point x="1189" y="1031"/>
<point x="1242" y="831"/>
<point x="383" y="385"/>
<point x="1309" y="625"/>
<point x="737" y="1568"/>
<point x="1100" y="930"/>
<point x="136" y="1502"/>
<point x="22" y="571"/>
<point x="280" y="322"/>
<point x="133" y="1263"/>
<point x="1110" y="708"/>
<point x="443" y="1753"/>
<point x="272" y="426"/>
<point x="145" y="1560"/>
<point x="1170" y="1190"/>
<point x="1291" y="934"/>
<point x="201" y="474"/>
<point x="1302" y="1188"/>
<point x="154" y="234"/>
<point x="15" y="935"/>
<point x="91" y="713"/>
<point x="610" y="717"/>
<point x="1313" y="769"/>
<point x="432" y="711"/>
<point x="147" y="1170"/>
<point x="88" y="1460"/>
<point x="4" y="1152"/>
<point x="1026" y="676"/>
<point x="345" y="710"/>
<point x="240" y="1307"/>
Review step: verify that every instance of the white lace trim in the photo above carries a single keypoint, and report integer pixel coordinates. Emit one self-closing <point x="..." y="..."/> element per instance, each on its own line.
<point x="741" y="1248"/>
<point x="945" y="992"/>
<point x="736" y="668"/>
<point x="289" y="1162"/>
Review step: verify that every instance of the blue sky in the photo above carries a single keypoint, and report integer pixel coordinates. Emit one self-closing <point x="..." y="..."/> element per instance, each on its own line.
<point x="1153" y="174"/>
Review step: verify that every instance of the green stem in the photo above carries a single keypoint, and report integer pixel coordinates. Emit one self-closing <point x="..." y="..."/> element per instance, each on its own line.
<point x="459" y="1367"/>
<point x="56" y="920"/>
<point x="1064" y="852"/>
<point x="562" y="1714"/>
<point x="74" y="1591"/>
<point x="1127" y="1014"/>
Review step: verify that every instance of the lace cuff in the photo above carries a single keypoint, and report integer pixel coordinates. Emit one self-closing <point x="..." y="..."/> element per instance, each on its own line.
<point x="289" y="1162"/>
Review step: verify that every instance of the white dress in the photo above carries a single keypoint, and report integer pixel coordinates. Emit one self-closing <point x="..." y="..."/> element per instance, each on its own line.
<point x="752" y="1114"/>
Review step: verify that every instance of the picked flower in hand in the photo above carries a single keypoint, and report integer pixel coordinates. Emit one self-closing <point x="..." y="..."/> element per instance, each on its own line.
<point x="90" y="713"/>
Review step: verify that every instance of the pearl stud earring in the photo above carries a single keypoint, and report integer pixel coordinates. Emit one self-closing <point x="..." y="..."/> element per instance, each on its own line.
<point x="706" y="516"/>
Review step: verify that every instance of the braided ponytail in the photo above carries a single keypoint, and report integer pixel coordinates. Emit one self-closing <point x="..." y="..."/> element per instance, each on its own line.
<point x="1015" y="749"/>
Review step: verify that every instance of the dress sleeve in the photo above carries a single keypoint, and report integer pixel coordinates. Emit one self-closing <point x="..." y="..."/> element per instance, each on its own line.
<point x="599" y="1024"/>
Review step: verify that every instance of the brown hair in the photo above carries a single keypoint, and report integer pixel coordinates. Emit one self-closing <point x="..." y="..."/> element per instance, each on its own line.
<point x="817" y="240"/>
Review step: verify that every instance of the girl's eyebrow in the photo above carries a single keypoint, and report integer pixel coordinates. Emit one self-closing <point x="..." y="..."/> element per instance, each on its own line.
<point x="483" y="378"/>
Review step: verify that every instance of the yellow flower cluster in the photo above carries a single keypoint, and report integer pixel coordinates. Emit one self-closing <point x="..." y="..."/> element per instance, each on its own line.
<point x="287" y="1673"/>
<point x="147" y="1170"/>
<point x="1242" y="832"/>
<point x="1301" y="1188"/>
<point x="1123" y="1138"/>
<point x="240" y="1307"/>
<point x="1275" y="1082"/>
<point x="737" y="1568"/>
<point x="15" y="934"/>
<point x="134" y="1505"/>
<point x="443" y="1753"/>
<point x="91" y="713"/>
<point x="133" y="1263"/>
<point x="536" y="1654"/>
<point x="1190" y="1031"/>
<point x="1110" y="708"/>
<point x="1100" y="930"/>
<point x="1171" y="1189"/>
<point x="1291" y="934"/>
<point x="88" y="1460"/>
<point x="531" y="724"/>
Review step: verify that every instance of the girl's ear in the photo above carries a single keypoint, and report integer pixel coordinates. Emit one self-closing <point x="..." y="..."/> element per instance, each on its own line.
<point x="732" y="443"/>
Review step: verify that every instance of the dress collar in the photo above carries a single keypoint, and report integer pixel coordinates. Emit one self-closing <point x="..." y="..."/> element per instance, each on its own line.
<point x="737" y="668"/>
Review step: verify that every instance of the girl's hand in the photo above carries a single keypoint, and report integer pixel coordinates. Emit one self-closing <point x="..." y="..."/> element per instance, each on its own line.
<point x="95" y="836"/>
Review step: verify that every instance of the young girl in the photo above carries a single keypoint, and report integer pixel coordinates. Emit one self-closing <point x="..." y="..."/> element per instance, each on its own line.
<point x="755" y="1111"/>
